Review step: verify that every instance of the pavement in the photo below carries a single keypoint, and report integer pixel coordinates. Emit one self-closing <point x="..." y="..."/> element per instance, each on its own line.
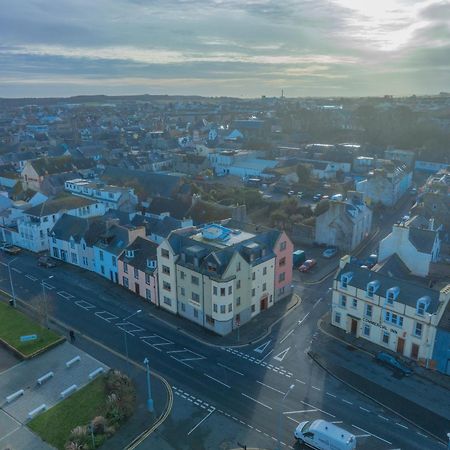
<point x="424" y="394"/>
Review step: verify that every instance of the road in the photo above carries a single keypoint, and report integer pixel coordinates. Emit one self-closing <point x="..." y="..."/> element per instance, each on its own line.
<point x="239" y="386"/>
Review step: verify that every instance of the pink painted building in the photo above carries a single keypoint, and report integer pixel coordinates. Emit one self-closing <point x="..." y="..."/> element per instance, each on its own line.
<point x="283" y="250"/>
<point x="137" y="269"/>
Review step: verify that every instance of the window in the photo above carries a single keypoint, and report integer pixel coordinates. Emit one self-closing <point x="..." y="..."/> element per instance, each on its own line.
<point x="72" y="244"/>
<point x="343" y="301"/>
<point x="102" y="269"/>
<point x="253" y="292"/>
<point x="125" y="267"/>
<point x="393" y="318"/>
<point x="238" y="284"/>
<point x="166" y="286"/>
<point x="148" y="294"/>
<point x="344" y="282"/>
<point x="54" y="239"/>
<point x="230" y="290"/>
<point x="253" y="275"/>
<point x="147" y="278"/>
<point x="264" y="286"/>
<point x="211" y="267"/>
<point x="101" y="255"/>
<point x="238" y="267"/>
<point x="85" y="261"/>
<point x="354" y="303"/>
<point x="182" y="275"/>
<point x="114" y="261"/>
<point x="136" y="273"/>
<point x="182" y="291"/>
<point x="265" y="271"/>
<point x="222" y="309"/>
<point x="366" y="330"/>
<point x="167" y="301"/>
<point x="195" y="297"/>
<point x="222" y="291"/>
<point x="196" y="313"/>
<point x="238" y="301"/>
<point x="164" y="253"/>
<point x="125" y="281"/>
<point x="194" y="280"/>
<point x="214" y="290"/>
<point x="369" y="310"/>
<point x="215" y="307"/>
<point x="166" y="270"/>
<point x="281" y="277"/>
<point x="337" y="317"/>
<point x="55" y="252"/>
<point x="385" y="337"/>
<point x="74" y="258"/>
<point x="418" y="329"/>
<point x="253" y="308"/>
<point x="283" y="246"/>
<point x="282" y="261"/>
<point x="230" y="307"/>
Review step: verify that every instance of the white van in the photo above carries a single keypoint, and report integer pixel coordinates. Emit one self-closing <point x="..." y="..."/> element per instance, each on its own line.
<point x="323" y="435"/>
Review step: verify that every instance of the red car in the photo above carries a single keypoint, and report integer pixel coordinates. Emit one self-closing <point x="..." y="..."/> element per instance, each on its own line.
<point x="307" y="265"/>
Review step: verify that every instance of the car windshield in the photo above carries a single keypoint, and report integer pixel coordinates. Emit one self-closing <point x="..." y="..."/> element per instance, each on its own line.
<point x="305" y="428"/>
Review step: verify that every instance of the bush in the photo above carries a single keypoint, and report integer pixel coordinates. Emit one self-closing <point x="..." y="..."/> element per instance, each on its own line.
<point x="99" y="425"/>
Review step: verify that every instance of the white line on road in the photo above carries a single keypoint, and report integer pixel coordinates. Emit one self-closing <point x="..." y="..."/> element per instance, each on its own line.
<point x="400" y="425"/>
<point x="302" y="320"/>
<point x="300" y="381"/>
<point x="3" y="264"/>
<point x="346" y="401"/>
<point x="254" y="399"/>
<point x="293" y="420"/>
<point x="65" y="295"/>
<point x="318" y="409"/>
<point x="48" y="286"/>
<point x="421" y="434"/>
<point x="181" y="362"/>
<point x="337" y="421"/>
<point x="316" y="388"/>
<point x="318" y="301"/>
<point x="201" y="421"/>
<point x="364" y="409"/>
<point x="85" y="305"/>
<point x="362" y="435"/>
<point x="270" y="387"/>
<point x="374" y="435"/>
<point x="109" y="316"/>
<point x="261" y="360"/>
<point x="382" y="417"/>
<point x="217" y="381"/>
<point x="287" y="335"/>
<point x="300" y="412"/>
<point x="230" y="369"/>
<point x="30" y="277"/>
<point x="330" y="394"/>
<point x="16" y="270"/>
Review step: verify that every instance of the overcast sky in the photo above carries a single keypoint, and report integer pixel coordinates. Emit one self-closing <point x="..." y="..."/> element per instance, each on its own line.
<point x="224" y="47"/>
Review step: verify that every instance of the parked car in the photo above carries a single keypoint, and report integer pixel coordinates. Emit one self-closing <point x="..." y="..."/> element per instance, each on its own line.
<point x="329" y="252"/>
<point x="307" y="265"/>
<point x="391" y="361"/>
<point x="10" y="249"/>
<point x="300" y="194"/>
<point x="317" y="197"/>
<point x="46" y="261"/>
<point x="371" y="260"/>
<point x="291" y="193"/>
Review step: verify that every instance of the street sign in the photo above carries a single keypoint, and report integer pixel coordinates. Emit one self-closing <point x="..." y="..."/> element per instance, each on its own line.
<point x="30" y="337"/>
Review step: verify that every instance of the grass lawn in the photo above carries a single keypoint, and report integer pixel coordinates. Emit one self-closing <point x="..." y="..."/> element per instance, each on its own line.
<point x="14" y="324"/>
<point x="55" y="425"/>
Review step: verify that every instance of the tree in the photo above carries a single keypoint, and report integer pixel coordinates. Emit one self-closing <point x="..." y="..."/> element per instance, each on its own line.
<point x="303" y="173"/>
<point x="321" y="207"/>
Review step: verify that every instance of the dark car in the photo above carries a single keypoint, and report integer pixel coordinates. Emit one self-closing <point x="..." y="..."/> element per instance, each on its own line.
<point x="391" y="361"/>
<point x="307" y="265"/>
<point x="10" y="249"/>
<point x="46" y="261"/>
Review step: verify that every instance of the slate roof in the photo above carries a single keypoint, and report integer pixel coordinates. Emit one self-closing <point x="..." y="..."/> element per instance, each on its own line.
<point x="50" y="166"/>
<point x="444" y="323"/>
<point x="423" y="240"/>
<point x="175" y="208"/>
<point x="409" y="293"/>
<point x="66" y="202"/>
<point x="77" y="227"/>
<point x="161" y="227"/>
<point x="114" y="240"/>
<point x="143" y="250"/>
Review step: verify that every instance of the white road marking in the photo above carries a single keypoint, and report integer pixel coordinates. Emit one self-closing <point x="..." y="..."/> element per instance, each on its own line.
<point x="293" y="420"/>
<point x="9" y="434"/>
<point x="282" y="354"/>
<point x="156" y="344"/>
<point x="259" y="403"/>
<point x="261" y="360"/>
<point x="300" y="412"/>
<point x="65" y="295"/>
<point x="270" y="387"/>
<point x="304" y="318"/>
<point x="85" y="305"/>
<point x="3" y="264"/>
<point x="230" y="369"/>
<point x="362" y="435"/>
<point x="346" y="401"/>
<point x="300" y="381"/>
<point x="316" y="388"/>
<point x="382" y="417"/>
<point x="374" y="435"/>
<point x="364" y="409"/>
<point x="188" y="357"/>
<point x="16" y="270"/>
<point x="262" y="347"/>
<point x="318" y="409"/>
<point x="287" y="335"/>
<point x="47" y="286"/>
<point x="106" y="315"/>
<point x="337" y="421"/>
<point x="318" y="301"/>
<point x="400" y="425"/>
<point x="133" y="328"/>
<point x="201" y="421"/>
<point x="181" y="362"/>
<point x="30" y="277"/>
<point x="330" y="394"/>
<point x="217" y="381"/>
<point x="421" y="434"/>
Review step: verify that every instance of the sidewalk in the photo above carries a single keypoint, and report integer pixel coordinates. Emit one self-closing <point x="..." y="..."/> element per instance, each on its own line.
<point x="423" y="398"/>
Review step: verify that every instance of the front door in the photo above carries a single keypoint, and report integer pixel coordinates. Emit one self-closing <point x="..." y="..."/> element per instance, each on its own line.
<point x="354" y="327"/>
<point x="414" y="351"/>
<point x="263" y="304"/>
<point x="136" y="288"/>
<point x="400" y="345"/>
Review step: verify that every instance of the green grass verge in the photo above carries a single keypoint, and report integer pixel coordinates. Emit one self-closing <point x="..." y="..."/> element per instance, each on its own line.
<point x="14" y="324"/>
<point x="54" y="426"/>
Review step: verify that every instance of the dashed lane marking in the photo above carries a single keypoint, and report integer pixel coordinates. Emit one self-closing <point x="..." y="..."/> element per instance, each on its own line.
<point x="374" y="435"/>
<point x="421" y="434"/>
<point x="364" y="409"/>
<point x="330" y="394"/>
<point x="316" y="388"/>
<point x="287" y="335"/>
<point x="304" y="318"/>
<point x="400" y="425"/>
<point x="300" y="412"/>
<point x="317" y="302"/>
<point x="300" y="381"/>
<point x="257" y="401"/>
<point x="217" y="381"/>
<point x="270" y="387"/>
<point x="384" y="418"/>
<point x="30" y="277"/>
<point x="346" y="401"/>
<point x="16" y="270"/>
<point x="230" y="369"/>
<point x="318" y="409"/>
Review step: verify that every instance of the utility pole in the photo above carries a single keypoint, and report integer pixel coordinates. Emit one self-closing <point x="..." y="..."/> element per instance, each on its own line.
<point x="149" y="389"/>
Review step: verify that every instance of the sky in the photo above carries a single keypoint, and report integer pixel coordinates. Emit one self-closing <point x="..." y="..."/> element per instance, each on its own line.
<point x="239" y="48"/>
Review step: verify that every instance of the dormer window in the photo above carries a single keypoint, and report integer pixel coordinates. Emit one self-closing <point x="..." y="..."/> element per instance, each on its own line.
<point x="212" y="267"/>
<point x="392" y="294"/>
<point x="345" y="279"/>
<point x="129" y="253"/>
<point x="422" y="305"/>
<point x="372" y="287"/>
<point x="151" y="263"/>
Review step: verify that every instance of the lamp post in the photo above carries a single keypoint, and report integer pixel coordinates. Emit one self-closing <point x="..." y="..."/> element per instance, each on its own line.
<point x="125" y="337"/>
<point x="11" y="282"/>
<point x="149" y="389"/>
<point x="281" y="414"/>
<point x="45" y="299"/>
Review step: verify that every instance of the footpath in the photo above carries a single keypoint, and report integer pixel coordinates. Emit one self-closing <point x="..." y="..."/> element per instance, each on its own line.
<point x="423" y="399"/>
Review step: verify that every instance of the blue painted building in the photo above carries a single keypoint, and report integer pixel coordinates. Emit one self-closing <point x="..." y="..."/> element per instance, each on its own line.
<point x="441" y="351"/>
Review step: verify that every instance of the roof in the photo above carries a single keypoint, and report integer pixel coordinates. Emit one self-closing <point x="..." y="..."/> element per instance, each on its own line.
<point x="143" y="250"/>
<point x="410" y="291"/>
<point x="78" y="228"/>
<point x="423" y="240"/>
<point x="50" y="166"/>
<point x="176" y="208"/>
<point x="160" y="227"/>
<point x="444" y="323"/>
<point x="64" y="203"/>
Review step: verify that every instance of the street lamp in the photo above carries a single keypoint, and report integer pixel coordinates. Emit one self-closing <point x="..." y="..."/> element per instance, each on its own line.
<point x="45" y="299"/>
<point x="281" y="414"/>
<point x="149" y="389"/>
<point x="125" y="337"/>
<point x="11" y="282"/>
